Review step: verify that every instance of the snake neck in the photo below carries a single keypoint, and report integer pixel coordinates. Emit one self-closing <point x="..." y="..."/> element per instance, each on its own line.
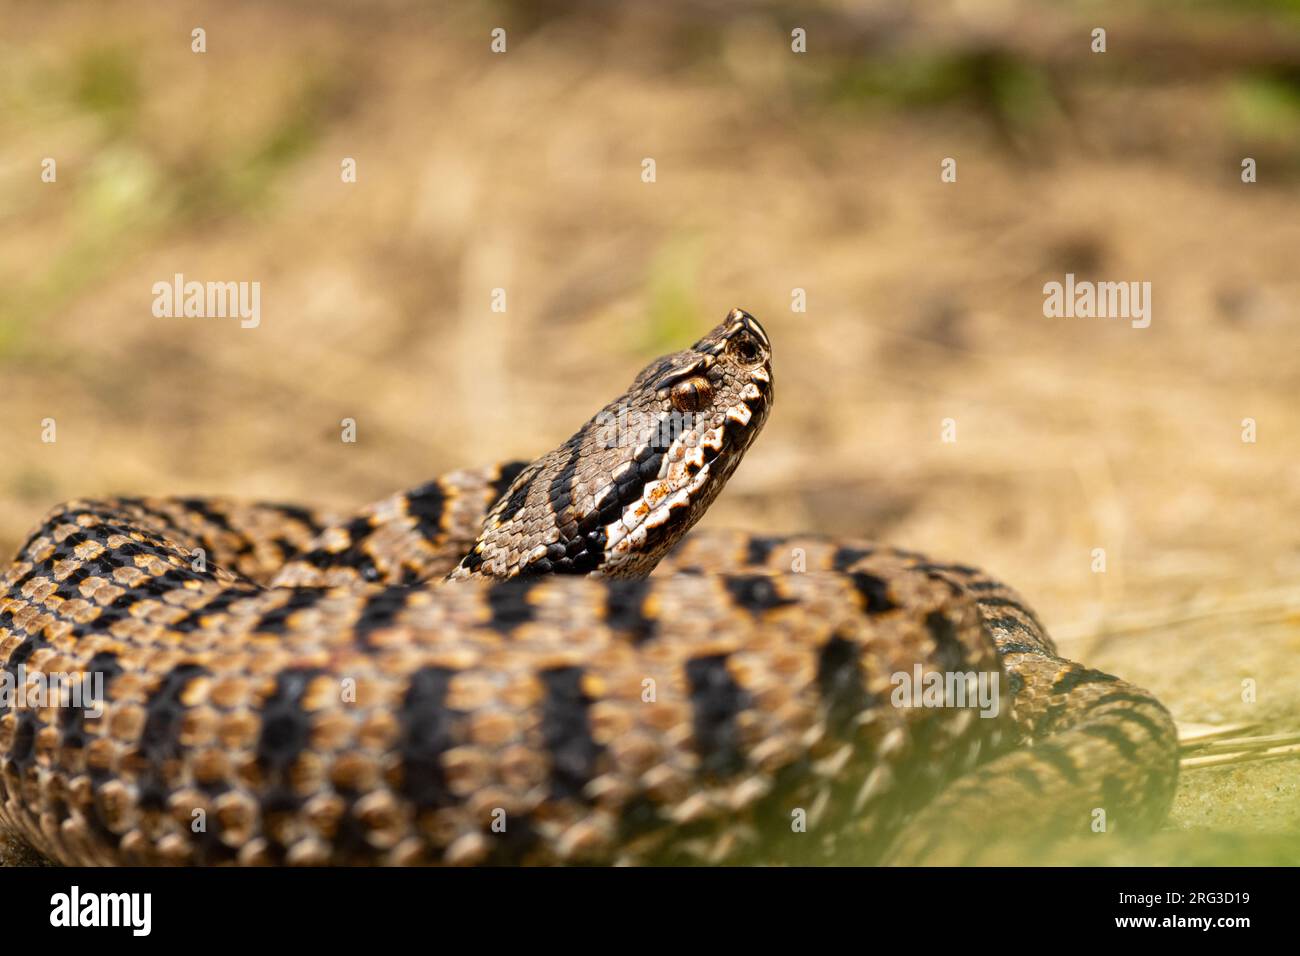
<point x="616" y="497"/>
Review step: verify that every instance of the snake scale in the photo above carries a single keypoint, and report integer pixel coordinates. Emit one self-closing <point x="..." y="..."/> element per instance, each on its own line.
<point x="483" y="670"/>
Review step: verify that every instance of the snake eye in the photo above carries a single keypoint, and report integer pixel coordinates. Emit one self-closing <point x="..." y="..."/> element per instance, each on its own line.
<point x="744" y="350"/>
<point x="692" y="395"/>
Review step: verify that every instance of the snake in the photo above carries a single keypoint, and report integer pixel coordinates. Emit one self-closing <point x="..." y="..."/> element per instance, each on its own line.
<point x="535" y="663"/>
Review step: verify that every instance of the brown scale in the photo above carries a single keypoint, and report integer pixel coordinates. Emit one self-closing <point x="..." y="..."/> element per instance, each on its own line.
<point x="308" y="690"/>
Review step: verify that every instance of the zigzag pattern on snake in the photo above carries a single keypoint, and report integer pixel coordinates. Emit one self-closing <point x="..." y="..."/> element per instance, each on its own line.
<point x="484" y="670"/>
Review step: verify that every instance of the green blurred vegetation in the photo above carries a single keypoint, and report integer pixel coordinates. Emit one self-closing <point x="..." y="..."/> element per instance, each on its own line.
<point x="996" y="82"/>
<point x="128" y="195"/>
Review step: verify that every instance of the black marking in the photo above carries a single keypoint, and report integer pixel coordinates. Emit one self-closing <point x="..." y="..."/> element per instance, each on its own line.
<point x="1012" y="647"/>
<point x="160" y="737"/>
<point x="566" y="731"/>
<point x="1010" y="624"/>
<point x="518" y="492"/>
<point x="629" y="489"/>
<point x="962" y="569"/>
<point x="299" y="514"/>
<point x="949" y="653"/>
<point x="22" y="750"/>
<point x="23" y="652"/>
<point x="559" y="492"/>
<point x="381" y="609"/>
<point x="426" y="504"/>
<point x="1081" y="675"/>
<point x="953" y="587"/>
<point x="625" y="607"/>
<point x="219" y="602"/>
<point x="277" y="621"/>
<point x="717" y="700"/>
<point x="100" y="669"/>
<point x="200" y="507"/>
<point x="846" y="557"/>
<point x="354" y="555"/>
<point x="760" y="549"/>
<point x="505" y="478"/>
<point x="1005" y="602"/>
<point x="472" y="560"/>
<point x="1116" y="737"/>
<point x="1156" y="729"/>
<point x="1052" y="755"/>
<point x="874" y="591"/>
<point x="286" y="733"/>
<point x="839" y="679"/>
<point x="428" y="732"/>
<point x="509" y="603"/>
<point x="755" y="593"/>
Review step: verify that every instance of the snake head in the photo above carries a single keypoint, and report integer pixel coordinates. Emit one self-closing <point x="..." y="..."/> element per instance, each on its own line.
<point x="615" y="497"/>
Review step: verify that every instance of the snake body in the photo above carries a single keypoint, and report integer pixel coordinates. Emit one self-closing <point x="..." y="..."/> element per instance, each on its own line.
<point x="483" y="670"/>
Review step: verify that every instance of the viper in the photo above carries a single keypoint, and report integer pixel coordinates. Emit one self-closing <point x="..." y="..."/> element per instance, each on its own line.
<point x="535" y="663"/>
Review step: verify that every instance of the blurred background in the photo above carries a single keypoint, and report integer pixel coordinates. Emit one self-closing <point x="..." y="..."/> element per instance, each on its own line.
<point x="774" y="171"/>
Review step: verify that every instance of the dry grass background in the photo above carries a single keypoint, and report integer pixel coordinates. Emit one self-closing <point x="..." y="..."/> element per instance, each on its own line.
<point x="775" y="171"/>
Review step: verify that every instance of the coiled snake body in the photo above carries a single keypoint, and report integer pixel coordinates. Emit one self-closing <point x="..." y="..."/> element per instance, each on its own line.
<point x="266" y="684"/>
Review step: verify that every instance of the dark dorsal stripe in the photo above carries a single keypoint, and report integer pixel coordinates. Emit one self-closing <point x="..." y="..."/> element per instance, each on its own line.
<point x="962" y="569"/>
<point x="428" y="732"/>
<point x="625" y="607"/>
<point x="505" y="478"/>
<point x="949" y="653"/>
<point x="358" y="531"/>
<point x="1011" y="647"/>
<point x="953" y="587"/>
<point x="1154" y="729"/>
<point x="1050" y="753"/>
<point x="846" y="557"/>
<point x="100" y="670"/>
<point x="23" y="652"/>
<point x="426" y="504"/>
<point x="219" y="603"/>
<point x="508" y="601"/>
<point x="380" y="611"/>
<point x="755" y="593"/>
<point x="200" y="507"/>
<point x="160" y="737"/>
<point x="277" y="621"/>
<point x="519" y="496"/>
<point x="874" y="591"/>
<point x="839" y="679"/>
<point x="299" y="514"/>
<point x="759" y="550"/>
<point x="566" y="731"/>
<point x="286" y="726"/>
<point x="1010" y="624"/>
<point x="1081" y="675"/>
<point x="559" y="492"/>
<point x="22" y="748"/>
<point x="716" y="700"/>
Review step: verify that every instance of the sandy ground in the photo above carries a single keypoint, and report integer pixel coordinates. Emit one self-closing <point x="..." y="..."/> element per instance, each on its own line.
<point x="774" y="172"/>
